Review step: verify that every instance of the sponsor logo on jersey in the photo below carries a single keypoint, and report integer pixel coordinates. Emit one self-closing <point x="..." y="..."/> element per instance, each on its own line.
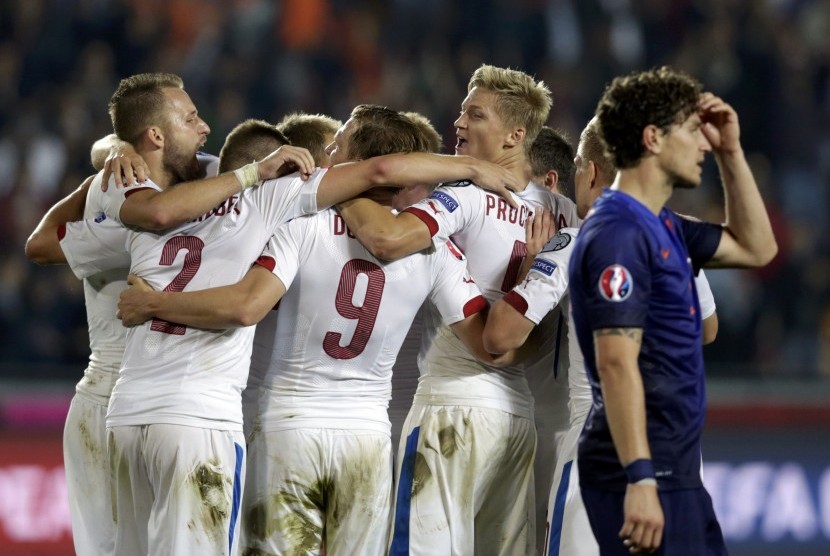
<point x="558" y="242"/>
<point x="100" y="218"/>
<point x="543" y="266"/>
<point x="450" y="203"/>
<point x="615" y="283"/>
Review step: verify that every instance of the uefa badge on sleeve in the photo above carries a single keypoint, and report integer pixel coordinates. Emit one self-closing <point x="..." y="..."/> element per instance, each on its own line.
<point x="615" y="283"/>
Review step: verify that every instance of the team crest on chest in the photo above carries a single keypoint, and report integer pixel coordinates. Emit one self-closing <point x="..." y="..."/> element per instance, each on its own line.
<point x="615" y="283"/>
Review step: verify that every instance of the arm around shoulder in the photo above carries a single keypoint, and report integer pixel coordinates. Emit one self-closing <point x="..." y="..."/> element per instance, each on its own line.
<point x="43" y="245"/>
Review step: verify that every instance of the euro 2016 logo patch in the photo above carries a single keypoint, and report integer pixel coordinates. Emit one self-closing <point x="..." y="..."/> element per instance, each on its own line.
<point x="615" y="283"/>
<point x="450" y="203"/>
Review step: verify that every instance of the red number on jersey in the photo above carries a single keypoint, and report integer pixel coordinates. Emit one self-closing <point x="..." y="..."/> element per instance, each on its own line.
<point x="192" y="260"/>
<point x="364" y="314"/>
<point x="514" y="266"/>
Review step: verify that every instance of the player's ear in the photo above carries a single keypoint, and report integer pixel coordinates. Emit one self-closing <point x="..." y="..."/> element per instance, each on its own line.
<point x="652" y="138"/>
<point x="516" y="136"/>
<point x="154" y="135"/>
<point x="551" y="179"/>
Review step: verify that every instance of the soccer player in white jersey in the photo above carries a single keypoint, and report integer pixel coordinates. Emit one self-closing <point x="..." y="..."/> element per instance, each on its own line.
<point x="84" y="443"/>
<point x="551" y="160"/>
<point x="511" y="320"/>
<point x="204" y="417"/>
<point x="320" y="464"/>
<point x="476" y="492"/>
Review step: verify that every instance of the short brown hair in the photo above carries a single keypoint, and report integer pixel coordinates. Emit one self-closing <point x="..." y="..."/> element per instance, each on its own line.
<point x="661" y="97"/>
<point x="521" y="100"/>
<point x="310" y="131"/>
<point x="251" y="140"/>
<point x="381" y="130"/>
<point x="552" y="151"/>
<point x="139" y="103"/>
<point x="593" y="148"/>
<point x="428" y="132"/>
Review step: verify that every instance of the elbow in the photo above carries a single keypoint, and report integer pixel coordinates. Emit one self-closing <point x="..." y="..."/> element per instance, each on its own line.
<point x="247" y="313"/>
<point x="38" y="251"/>
<point x="384" y="246"/>
<point x="383" y="167"/>
<point x="498" y="341"/>
<point x="769" y="253"/>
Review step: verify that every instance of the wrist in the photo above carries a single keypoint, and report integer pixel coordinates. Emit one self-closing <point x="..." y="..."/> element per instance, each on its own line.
<point x="248" y="175"/>
<point x="640" y="470"/>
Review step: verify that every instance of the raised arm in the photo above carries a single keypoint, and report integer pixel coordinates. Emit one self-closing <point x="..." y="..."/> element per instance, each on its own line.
<point x="345" y="181"/>
<point x="748" y="239"/>
<point x="118" y="158"/>
<point x="43" y="246"/>
<point x="154" y="210"/>
<point x="391" y="237"/>
<point x="242" y="304"/>
<point x="617" y="351"/>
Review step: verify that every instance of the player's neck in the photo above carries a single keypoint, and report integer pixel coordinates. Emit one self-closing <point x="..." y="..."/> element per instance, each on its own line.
<point x="515" y="161"/>
<point x="645" y="183"/>
<point x="156" y="170"/>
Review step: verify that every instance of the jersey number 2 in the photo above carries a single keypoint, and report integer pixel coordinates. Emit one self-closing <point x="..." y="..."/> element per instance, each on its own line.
<point x="192" y="261"/>
<point x="365" y="314"/>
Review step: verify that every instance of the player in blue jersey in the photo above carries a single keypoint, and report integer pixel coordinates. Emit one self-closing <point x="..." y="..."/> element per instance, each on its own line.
<point x="637" y="316"/>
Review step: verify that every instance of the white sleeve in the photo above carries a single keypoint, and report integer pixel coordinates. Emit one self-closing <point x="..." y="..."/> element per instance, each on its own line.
<point x="113" y="198"/>
<point x="445" y="212"/>
<point x="288" y="197"/>
<point x="92" y="246"/>
<point x="282" y="253"/>
<point x="547" y="282"/>
<point x="454" y="292"/>
<point x="704" y="295"/>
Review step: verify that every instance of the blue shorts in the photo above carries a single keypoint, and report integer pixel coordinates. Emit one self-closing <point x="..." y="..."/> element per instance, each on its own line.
<point x="691" y="528"/>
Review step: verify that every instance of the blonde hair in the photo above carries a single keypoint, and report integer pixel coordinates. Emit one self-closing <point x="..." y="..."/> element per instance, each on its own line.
<point x="521" y="101"/>
<point x="428" y="132"/>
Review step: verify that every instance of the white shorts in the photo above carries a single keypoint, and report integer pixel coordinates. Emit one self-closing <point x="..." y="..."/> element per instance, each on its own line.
<point x="464" y="483"/>
<point x="548" y="442"/>
<point x="568" y="530"/>
<point x="312" y="487"/>
<point x="176" y="489"/>
<point x="88" y="477"/>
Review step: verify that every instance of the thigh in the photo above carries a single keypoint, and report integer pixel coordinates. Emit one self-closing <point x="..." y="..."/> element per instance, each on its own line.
<point x="88" y="477"/>
<point x="286" y="493"/>
<point x="452" y="457"/>
<point x="358" y="510"/>
<point x="506" y="519"/>
<point x="605" y="514"/>
<point x="568" y="529"/>
<point x="691" y="527"/>
<point x="130" y="489"/>
<point x="197" y="476"/>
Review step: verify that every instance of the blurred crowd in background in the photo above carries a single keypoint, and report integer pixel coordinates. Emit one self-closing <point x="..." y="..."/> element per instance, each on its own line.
<point x="60" y="60"/>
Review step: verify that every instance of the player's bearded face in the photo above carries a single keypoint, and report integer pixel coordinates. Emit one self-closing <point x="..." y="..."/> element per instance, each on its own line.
<point x="181" y="162"/>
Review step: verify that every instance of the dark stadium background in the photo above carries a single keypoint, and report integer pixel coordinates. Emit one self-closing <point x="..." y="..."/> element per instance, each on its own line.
<point x="766" y="446"/>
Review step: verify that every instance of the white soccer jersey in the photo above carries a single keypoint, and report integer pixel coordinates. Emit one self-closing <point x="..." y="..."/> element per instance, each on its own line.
<point x="343" y="319"/>
<point x="492" y="235"/>
<point x="101" y="291"/>
<point x="704" y="295"/>
<point x="213" y="250"/>
<point x="544" y="289"/>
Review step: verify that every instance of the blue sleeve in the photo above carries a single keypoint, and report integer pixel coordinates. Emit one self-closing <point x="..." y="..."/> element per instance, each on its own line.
<point x="702" y="240"/>
<point x="617" y="276"/>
